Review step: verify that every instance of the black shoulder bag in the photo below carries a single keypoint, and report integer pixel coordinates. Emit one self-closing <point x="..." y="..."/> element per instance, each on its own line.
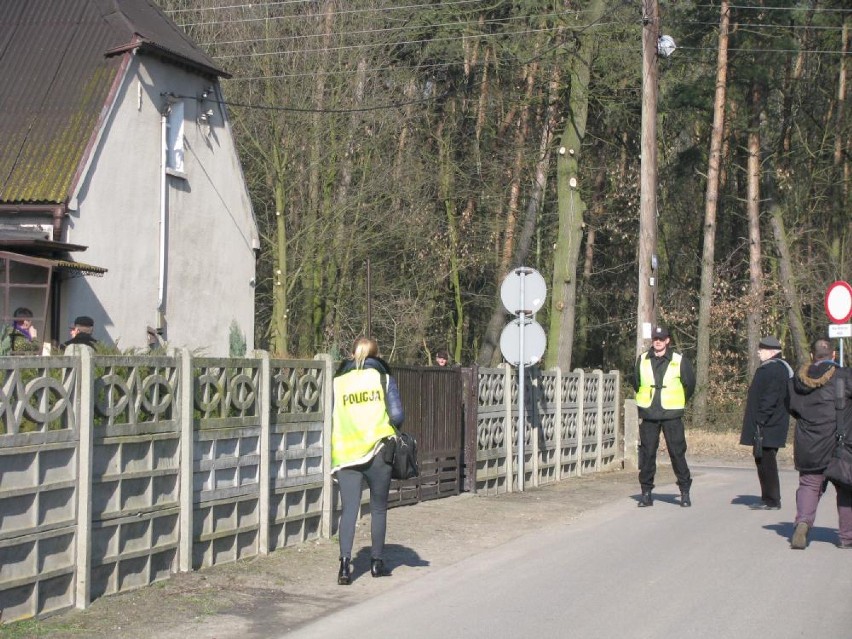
<point x="839" y="470"/>
<point x="400" y="450"/>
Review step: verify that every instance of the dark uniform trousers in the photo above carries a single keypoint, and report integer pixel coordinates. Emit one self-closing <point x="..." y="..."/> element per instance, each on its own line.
<point x="649" y="442"/>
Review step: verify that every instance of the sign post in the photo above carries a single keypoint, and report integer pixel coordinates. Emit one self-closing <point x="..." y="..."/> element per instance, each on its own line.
<point x="838" y="307"/>
<point x="522" y="341"/>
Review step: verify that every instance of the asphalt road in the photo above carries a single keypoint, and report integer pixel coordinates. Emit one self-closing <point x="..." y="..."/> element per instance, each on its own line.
<point x="716" y="570"/>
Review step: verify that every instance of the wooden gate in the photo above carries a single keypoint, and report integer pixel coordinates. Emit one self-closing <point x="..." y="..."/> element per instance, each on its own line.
<point x="432" y="398"/>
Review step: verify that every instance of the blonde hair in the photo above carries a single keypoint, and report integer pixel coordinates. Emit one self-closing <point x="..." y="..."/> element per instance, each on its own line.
<point x="364" y="347"/>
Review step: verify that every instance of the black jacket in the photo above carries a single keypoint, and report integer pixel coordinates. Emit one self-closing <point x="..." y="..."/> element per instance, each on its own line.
<point x="81" y="338"/>
<point x="766" y="404"/>
<point x="660" y="364"/>
<point x="812" y="403"/>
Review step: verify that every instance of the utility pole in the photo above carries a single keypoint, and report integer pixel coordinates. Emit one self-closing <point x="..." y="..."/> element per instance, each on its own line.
<point x="646" y="311"/>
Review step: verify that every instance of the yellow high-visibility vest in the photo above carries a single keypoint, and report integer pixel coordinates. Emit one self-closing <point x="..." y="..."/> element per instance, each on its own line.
<point x="359" y="419"/>
<point x="672" y="394"/>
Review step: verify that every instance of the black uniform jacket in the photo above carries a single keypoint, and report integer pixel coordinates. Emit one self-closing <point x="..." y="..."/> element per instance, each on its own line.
<point x="656" y="412"/>
<point x="766" y="404"/>
<point x="812" y="402"/>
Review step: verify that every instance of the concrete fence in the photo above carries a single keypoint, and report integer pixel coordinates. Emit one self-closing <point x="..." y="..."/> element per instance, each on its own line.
<point x="571" y="426"/>
<point x="118" y="471"/>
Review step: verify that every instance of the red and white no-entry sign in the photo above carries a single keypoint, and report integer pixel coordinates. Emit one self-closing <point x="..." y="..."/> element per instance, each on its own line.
<point x="838" y="302"/>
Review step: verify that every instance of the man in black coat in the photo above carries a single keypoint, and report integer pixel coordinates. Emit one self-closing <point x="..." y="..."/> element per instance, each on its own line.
<point x="766" y="411"/>
<point x="81" y="332"/>
<point x="815" y="393"/>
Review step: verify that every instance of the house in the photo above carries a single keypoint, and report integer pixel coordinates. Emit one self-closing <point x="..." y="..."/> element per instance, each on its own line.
<point x="121" y="192"/>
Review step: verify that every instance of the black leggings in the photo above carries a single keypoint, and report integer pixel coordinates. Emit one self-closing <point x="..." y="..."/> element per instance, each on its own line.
<point x="377" y="472"/>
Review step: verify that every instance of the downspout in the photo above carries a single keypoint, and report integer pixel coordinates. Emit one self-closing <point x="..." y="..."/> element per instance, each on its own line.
<point x="164" y="150"/>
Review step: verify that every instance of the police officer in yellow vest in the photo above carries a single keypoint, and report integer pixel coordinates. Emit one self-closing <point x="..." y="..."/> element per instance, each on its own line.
<point x="367" y="408"/>
<point x="664" y="382"/>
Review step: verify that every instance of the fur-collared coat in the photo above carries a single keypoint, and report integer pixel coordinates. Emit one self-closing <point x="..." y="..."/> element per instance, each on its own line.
<point x="812" y="403"/>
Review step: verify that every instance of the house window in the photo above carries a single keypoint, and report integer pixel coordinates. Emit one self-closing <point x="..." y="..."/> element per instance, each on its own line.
<point x="174" y="138"/>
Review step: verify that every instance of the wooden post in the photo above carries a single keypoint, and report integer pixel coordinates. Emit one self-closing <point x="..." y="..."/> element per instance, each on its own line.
<point x="648" y="171"/>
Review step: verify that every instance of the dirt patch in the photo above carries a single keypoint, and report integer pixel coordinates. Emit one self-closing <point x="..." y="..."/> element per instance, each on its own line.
<point x="266" y="596"/>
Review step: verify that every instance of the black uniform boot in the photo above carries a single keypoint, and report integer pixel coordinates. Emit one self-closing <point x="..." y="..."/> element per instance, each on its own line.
<point x="377" y="568"/>
<point x="646" y="499"/>
<point x="685" y="501"/>
<point x="344" y="575"/>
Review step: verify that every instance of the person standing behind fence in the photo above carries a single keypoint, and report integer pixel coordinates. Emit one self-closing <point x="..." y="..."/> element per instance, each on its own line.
<point x="815" y="400"/>
<point x="81" y="332"/>
<point x="766" y="410"/>
<point x="664" y="381"/>
<point x="23" y="337"/>
<point x="367" y="408"/>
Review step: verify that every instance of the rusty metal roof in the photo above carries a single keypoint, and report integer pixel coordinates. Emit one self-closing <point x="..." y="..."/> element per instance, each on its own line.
<point x="59" y="60"/>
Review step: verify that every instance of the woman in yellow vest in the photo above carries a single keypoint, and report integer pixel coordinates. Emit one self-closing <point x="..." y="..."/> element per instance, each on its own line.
<point x="367" y="408"/>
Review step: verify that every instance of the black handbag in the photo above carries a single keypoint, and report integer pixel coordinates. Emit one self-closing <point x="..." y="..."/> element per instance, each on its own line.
<point x="839" y="470"/>
<point x="404" y="461"/>
<point x="757" y="445"/>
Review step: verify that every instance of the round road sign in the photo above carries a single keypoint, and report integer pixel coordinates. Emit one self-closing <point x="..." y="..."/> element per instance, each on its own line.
<point x="535" y="291"/>
<point x="534" y="342"/>
<point x="838" y="302"/>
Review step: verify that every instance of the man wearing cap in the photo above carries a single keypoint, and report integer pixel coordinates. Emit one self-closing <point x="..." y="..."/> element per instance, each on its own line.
<point x="766" y="415"/>
<point x="81" y="332"/>
<point x="664" y="381"/>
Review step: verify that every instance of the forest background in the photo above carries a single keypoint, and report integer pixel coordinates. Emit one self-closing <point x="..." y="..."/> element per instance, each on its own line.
<point x="412" y="152"/>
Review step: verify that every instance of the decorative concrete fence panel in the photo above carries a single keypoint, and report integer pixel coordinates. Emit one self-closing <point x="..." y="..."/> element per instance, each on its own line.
<point x="297" y="443"/>
<point x="135" y="506"/>
<point x="493" y="432"/>
<point x="226" y="460"/>
<point x="39" y="440"/>
<point x="571" y="426"/>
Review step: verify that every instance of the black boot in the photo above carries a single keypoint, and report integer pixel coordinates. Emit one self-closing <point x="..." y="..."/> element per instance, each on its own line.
<point x="344" y="575"/>
<point x="646" y="499"/>
<point x="685" y="501"/>
<point x="377" y="568"/>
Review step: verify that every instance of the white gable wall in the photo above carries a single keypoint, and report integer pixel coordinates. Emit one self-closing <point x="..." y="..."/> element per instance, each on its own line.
<point x="211" y="233"/>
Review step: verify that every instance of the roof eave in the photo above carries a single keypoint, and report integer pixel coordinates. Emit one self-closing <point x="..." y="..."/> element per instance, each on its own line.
<point x="146" y="46"/>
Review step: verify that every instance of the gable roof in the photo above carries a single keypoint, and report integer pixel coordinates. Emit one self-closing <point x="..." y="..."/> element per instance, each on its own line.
<point x="60" y="61"/>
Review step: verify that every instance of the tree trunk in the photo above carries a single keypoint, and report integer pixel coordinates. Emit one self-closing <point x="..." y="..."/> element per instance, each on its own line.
<point x="571" y="206"/>
<point x="788" y="284"/>
<point x="755" y="312"/>
<point x="705" y="302"/>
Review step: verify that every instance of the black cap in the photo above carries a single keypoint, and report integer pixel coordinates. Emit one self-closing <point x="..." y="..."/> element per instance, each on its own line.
<point x="84" y="320"/>
<point x="770" y="342"/>
<point x="660" y="332"/>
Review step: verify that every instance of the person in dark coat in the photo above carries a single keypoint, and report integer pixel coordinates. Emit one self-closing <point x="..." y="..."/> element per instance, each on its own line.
<point x="814" y="392"/>
<point x="766" y="409"/>
<point x="81" y="332"/>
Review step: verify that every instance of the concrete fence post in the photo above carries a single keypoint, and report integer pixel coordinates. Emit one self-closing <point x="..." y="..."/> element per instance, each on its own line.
<point x="616" y="417"/>
<point x="327" y="519"/>
<point x="557" y="424"/>
<point x="85" y="415"/>
<point x="186" y="401"/>
<point x="581" y="418"/>
<point x="264" y="488"/>
<point x="508" y="402"/>
<point x="599" y="394"/>
<point x="631" y="435"/>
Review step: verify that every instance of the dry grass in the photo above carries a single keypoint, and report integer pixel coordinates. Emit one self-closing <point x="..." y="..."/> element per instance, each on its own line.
<point x="725" y="446"/>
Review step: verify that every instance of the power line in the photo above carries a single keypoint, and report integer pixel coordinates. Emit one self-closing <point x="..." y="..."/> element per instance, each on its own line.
<point x="495" y="21"/>
<point x="380" y="45"/>
<point x="333" y="13"/>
